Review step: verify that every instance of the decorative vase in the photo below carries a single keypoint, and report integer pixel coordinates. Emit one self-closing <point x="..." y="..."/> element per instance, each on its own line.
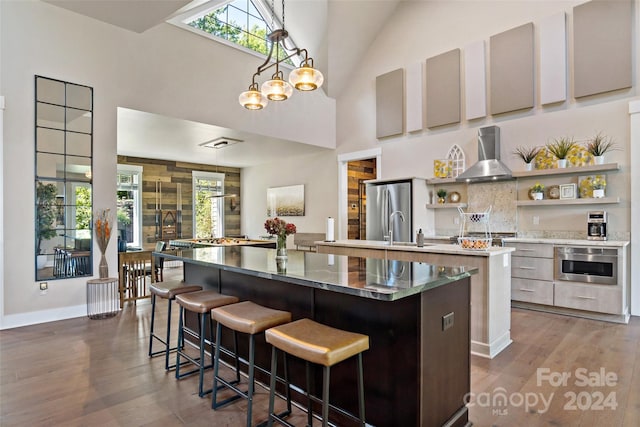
<point x="528" y="166"/>
<point x="598" y="193"/>
<point x="598" y="160"/>
<point x="441" y="200"/>
<point x="537" y="196"/>
<point x="562" y="163"/>
<point x="281" y="247"/>
<point x="103" y="267"/>
<point x="281" y="265"/>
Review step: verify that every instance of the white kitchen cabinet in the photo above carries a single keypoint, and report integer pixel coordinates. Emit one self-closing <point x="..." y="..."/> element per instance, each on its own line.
<point x="532" y="273"/>
<point x="533" y="285"/>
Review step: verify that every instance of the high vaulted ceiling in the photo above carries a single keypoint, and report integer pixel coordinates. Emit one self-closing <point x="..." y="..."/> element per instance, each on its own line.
<point x="341" y="39"/>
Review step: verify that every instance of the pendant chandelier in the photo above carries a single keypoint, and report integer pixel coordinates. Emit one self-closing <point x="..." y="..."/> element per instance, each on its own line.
<point x="304" y="78"/>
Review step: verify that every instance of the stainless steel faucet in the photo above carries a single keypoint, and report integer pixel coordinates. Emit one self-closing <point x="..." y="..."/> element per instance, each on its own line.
<point x="391" y="224"/>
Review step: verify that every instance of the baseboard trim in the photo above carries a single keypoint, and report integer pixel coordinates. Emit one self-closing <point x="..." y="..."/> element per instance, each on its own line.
<point x="35" y="317"/>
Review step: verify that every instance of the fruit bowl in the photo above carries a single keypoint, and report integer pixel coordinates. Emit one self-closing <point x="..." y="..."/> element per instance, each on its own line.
<point x="475" y="243"/>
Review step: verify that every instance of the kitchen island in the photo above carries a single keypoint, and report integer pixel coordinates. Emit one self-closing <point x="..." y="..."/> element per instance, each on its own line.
<point x="417" y="370"/>
<point x="490" y="288"/>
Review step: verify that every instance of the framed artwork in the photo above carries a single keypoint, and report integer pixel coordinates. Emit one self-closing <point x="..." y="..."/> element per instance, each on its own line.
<point x="585" y="184"/>
<point x="285" y="201"/>
<point x="568" y="191"/>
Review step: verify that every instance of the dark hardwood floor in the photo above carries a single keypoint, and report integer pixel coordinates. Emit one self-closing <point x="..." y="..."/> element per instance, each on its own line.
<point x="82" y="372"/>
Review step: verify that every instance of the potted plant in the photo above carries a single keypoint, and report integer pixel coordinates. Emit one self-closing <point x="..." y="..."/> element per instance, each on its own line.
<point x="442" y="193"/>
<point x="598" y="145"/>
<point x="46" y="212"/>
<point x="598" y="184"/>
<point x="537" y="191"/>
<point x="527" y="154"/>
<point x="560" y="148"/>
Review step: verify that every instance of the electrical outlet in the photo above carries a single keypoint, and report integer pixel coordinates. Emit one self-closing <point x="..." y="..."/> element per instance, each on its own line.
<point x="447" y="321"/>
<point x="456" y="220"/>
<point x="536" y="220"/>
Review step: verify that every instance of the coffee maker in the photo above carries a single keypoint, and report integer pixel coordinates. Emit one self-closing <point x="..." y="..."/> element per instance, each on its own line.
<point x="597" y="225"/>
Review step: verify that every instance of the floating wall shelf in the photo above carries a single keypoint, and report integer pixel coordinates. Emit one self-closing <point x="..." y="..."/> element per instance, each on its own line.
<point x="558" y="202"/>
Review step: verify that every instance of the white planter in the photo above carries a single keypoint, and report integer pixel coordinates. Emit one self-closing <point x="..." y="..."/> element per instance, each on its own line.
<point x="598" y="160"/>
<point x="598" y="193"/>
<point x="528" y="166"/>
<point x="562" y="163"/>
<point x="537" y="196"/>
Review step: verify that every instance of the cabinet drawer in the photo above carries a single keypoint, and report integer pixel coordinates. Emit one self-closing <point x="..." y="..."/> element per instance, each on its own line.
<point x="600" y="298"/>
<point x="538" y="250"/>
<point x="532" y="268"/>
<point x="529" y="290"/>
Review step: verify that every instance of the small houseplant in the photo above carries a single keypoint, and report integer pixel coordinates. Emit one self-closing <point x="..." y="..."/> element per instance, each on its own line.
<point x="537" y="191"/>
<point x="281" y="229"/>
<point x="598" y="145"/>
<point x="560" y="148"/>
<point x="527" y="154"/>
<point x="598" y="184"/>
<point x="442" y="193"/>
<point x="46" y="212"/>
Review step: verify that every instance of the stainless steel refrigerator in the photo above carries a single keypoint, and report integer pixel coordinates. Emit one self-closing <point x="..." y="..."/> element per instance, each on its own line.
<point x="385" y="199"/>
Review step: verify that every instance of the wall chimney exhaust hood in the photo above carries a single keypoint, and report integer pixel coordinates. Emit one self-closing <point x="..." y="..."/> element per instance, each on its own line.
<point x="489" y="167"/>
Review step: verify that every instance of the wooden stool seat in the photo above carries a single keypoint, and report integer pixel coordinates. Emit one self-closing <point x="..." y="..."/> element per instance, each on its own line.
<point x="204" y="301"/>
<point x="317" y="343"/>
<point x="322" y="345"/>
<point x="167" y="290"/>
<point x="171" y="288"/>
<point x="201" y="303"/>
<point x="248" y="318"/>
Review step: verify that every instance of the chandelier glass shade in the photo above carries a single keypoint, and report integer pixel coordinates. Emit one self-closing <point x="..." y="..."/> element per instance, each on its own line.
<point x="304" y="78"/>
<point x="276" y="89"/>
<point x="253" y="99"/>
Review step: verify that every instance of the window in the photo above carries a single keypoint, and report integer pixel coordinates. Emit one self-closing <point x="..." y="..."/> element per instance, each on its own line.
<point x="244" y="23"/>
<point x="208" y="210"/>
<point x="129" y="203"/>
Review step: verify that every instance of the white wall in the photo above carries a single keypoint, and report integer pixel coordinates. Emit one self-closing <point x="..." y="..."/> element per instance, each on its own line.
<point x="419" y="30"/>
<point x="318" y="173"/>
<point x="165" y="70"/>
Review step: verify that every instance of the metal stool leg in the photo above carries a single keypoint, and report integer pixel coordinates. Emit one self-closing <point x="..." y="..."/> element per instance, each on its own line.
<point x="309" y="406"/>
<point x="272" y="385"/>
<point x="180" y="341"/>
<point x="325" y="396"/>
<point x="153" y="318"/>
<point x="360" y="390"/>
<point x="168" y="346"/>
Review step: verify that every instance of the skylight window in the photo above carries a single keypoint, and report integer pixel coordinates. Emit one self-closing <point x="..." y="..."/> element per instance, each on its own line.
<point x="240" y="22"/>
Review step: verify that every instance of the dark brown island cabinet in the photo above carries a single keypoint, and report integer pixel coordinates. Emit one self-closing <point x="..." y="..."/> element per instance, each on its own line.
<point x="417" y="369"/>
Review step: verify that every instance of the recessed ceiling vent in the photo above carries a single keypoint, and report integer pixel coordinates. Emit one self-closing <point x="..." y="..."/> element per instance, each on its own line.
<point x="220" y="142"/>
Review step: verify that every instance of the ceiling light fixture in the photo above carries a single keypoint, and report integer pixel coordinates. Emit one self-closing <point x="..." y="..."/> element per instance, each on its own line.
<point x="303" y="78"/>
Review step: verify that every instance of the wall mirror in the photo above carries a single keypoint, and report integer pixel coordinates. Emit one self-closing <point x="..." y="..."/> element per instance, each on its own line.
<point x="63" y="170"/>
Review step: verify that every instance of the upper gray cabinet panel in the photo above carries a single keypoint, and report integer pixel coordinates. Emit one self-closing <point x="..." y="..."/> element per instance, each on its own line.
<point x="390" y="103"/>
<point x="602" y="47"/>
<point x="511" y="62"/>
<point x="443" y="89"/>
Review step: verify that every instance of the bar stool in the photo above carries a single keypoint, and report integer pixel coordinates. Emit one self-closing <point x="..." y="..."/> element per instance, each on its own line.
<point x="248" y="318"/>
<point x="201" y="303"/>
<point x="319" y="344"/>
<point x="167" y="290"/>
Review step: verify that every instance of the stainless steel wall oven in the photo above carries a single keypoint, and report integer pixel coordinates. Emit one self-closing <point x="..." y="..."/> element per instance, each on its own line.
<point x="587" y="264"/>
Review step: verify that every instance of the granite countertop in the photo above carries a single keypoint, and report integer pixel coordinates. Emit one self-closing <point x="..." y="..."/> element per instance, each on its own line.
<point x="380" y="279"/>
<point x="436" y="248"/>
<point x="573" y="242"/>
